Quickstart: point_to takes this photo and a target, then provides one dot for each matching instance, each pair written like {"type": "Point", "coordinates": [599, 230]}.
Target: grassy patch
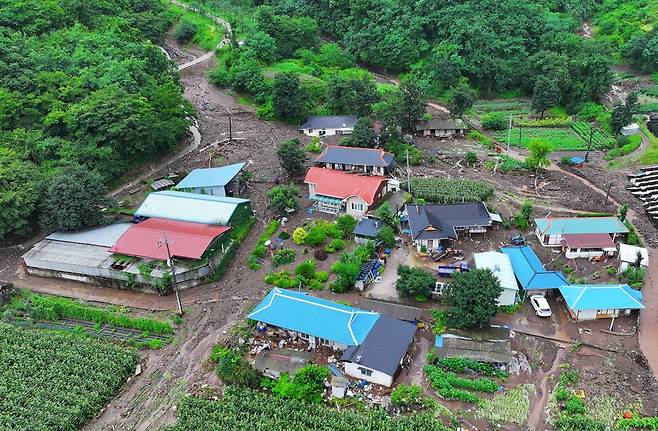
{"type": "Point", "coordinates": [650, 156]}
{"type": "Point", "coordinates": [559, 138]}
{"type": "Point", "coordinates": [208, 32]}
{"type": "Point", "coordinates": [512, 406]}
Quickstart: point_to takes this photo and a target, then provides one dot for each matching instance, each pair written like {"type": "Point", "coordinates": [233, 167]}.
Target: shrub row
{"type": "Point", "coordinates": [238, 235]}
{"type": "Point", "coordinates": [648, 423]}
{"type": "Point", "coordinates": [634, 143]}
{"type": "Point", "coordinates": [545, 122]}
{"type": "Point", "coordinates": [260, 250]}
{"type": "Point", "coordinates": [54, 308]}
{"type": "Point", "coordinates": [459, 365]}
{"type": "Point", "coordinates": [448, 385]}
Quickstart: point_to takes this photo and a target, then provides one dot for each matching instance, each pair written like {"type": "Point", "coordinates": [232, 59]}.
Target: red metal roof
{"type": "Point", "coordinates": [588, 240]}
{"type": "Point", "coordinates": [339, 184]}
{"type": "Point", "coordinates": [186, 239]}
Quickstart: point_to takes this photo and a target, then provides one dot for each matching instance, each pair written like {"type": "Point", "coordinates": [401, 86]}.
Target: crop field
{"type": "Point", "coordinates": [599, 139]}
{"type": "Point", "coordinates": [243, 409]}
{"type": "Point", "coordinates": [508, 106]}
{"type": "Point", "coordinates": [449, 191]}
{"type": "Point", "coordinates": [57, 381]}
{"type": "Point", "coordinates": [560, 138]}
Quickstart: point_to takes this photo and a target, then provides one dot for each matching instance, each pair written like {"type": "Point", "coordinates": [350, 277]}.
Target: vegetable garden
{"type": "Point", "coordinates": [447, 191]}
{"type": "Point", "coordinates": [243, 409]}
{"type": "Point", "coordinates": [560, 138]}
{"type": "Point", "coordinates": [57, 381]}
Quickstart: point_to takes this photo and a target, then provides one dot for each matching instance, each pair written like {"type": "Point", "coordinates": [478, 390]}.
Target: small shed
{"type": "Point", "coordinates": [488, 345]}
{"type": "Point", "coordinates": [396, 311]}
{"type": "Point", "coordinates": [367, 230]}
{"type": "Point", "coordinates": [441, 128]}
{"type": "Point", "coordinates": [631, 129]}
{"type": "Point", "coordinates": [273, 363]}
{"type": "Point", "coordinates": [629, 256]}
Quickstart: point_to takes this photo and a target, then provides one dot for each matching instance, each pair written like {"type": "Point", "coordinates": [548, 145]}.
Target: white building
{"type": "Point", "coordinates": [629, 256]}
{"type": "Point", "coordinates": [328, 125]}
{"type": "Point", "coordinates": [588, 245]}
{"type": "Point", "coordinates": [501, 267]}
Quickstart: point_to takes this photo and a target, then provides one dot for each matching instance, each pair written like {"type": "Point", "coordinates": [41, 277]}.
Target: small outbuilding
{"type": "Point", "coordinates": [328, 125]}
{"type": "Point", "coordinates": [588, 245]}
{"type": "Point", "coordinates": [220, 181]}
{"type": "Point", "coordinates": [488, 345]}
{"type": "Point", "coordinates": [378, 358]}
{"type": "Point", "coordinates": [600, 301]}
{"type": "Point", "coordinates": [367, 230]}
{"type": "Point", "coordinates": [501, 267]}
{"type": "Point", "coordinates": [441, 128]}
{"type": "Point", "coordinates": [631, 129]}
{"type": "Point", "coordinates": [631, 255]}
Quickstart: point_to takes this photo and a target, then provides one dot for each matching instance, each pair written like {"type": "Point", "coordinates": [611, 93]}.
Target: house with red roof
{"type": "Point", "coordinates": [334, 191]}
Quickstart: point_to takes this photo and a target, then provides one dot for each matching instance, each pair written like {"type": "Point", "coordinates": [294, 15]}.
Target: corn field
{"type": "Point", "coordinates": [244, 409]}
{"type": "Point", "coordinates": [449, 191]}
{"type": "Point", "coordinates": [55, 381]}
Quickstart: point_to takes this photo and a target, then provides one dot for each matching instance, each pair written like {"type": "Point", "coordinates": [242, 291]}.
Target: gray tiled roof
{"type": "Point", "coordinates": [355, 156]}
{"type": "Point", "coordinates": [384, 346]}
{"type": "Point", "coordinates": [330, 122]}
{"type": "Point", "coordinates": [439, 124]}
{"type": "Point", "coordinates": [444, 218]}
{"type": "Point", "coordinates": [368, 227]}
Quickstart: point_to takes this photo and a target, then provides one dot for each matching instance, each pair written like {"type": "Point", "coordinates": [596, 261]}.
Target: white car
{"type": "Point", "coordinates": [540, 304]}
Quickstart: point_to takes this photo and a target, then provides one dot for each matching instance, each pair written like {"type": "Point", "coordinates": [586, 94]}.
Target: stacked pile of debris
{"type": "Point", "coordinates": [644, 185]}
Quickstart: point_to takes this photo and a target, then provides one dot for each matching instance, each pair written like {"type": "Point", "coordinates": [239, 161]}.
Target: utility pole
{"type": "Point", "coordinates": [509, 132]}
{"type": "Point", "coordinates": [170, 264]}
{"type": "Point", "coordinates": [607, 194]}
{"type": "Point", "coordinates": [408, 173]}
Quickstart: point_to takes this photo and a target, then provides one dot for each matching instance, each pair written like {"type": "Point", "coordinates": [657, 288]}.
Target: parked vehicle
{"type": "Point", "coordinates": [540, 304]}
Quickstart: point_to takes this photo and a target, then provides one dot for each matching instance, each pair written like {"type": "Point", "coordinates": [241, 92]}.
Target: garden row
{"type": "Point", "coordinates": [447, 191]}
{"type": "Point", "coordinates": [57, 381]}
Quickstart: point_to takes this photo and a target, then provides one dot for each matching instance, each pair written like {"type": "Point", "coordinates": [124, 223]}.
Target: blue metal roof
{"type": "Point", "coordinates": [192, 207]}
{"type": "Point", "coordinates": [210, 177]}
{"type": "Point", "coordinates": [580, 297]}
{"type": "Point", "coordinates": [569, 225]}
{"type": "Point", "coordinates": [530, 272]}
{"type": "Point", "coordinates": [319, 317]}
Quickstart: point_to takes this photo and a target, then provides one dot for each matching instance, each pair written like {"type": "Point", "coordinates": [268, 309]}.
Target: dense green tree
{"type": "Point", "coordinates": [544, 94]}
{"type": "Point", "coordinates": [364, 134]}
{"type": "Point", "coordinates": [461, 98]}
{"type": "Point", "coordinates": [385, 214]}
{"type": "Point", "coordinates": [289, 99]}
{"type": "Point", "coordinates": [73, 199]}
{"type": "Point", "coordinates": [622, 114]}
{"type": "Point", "coordinates": [292, 157]}
{"type": "Point", "coordinates": [414, 282]}
{"type": "Point", "coordinates": [185, 31]}
{"type": "Point", "coordinates": [387, 236]}
{"type": "Point", "coordinates": [412, 105]}
{"type": "Point", "coordinates": [290, 33]}
{"type": "Point", "coordinates": [473, 297]}
{"type": "Point", "coordinates": [539, 155]}
{"type": "Point", "coordinates": [19, 193]}
{"type": "Point", "coordinates": [351, 96]}
{"type": "Point", "coordinates": [263, 46]}
{"type": "Point", "coordinates": [280, 198]}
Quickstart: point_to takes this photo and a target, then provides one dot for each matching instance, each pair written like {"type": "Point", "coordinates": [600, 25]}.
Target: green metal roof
{"type": "Point", "coordinates": [561, 226]}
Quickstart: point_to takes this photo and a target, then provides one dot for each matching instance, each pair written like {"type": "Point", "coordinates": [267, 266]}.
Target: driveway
{"type": "Point", "coordinates": [385, 289]}
{"type": "Point", "coordinates": [648, 336]}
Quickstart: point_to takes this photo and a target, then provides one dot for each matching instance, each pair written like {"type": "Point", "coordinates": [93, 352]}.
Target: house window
{"type": "Point", "coordinates": [357, 206]}
{"type": "Point", "coordinates": [322, 132]}
{"type": "Point", "coordinates": [365, 371]}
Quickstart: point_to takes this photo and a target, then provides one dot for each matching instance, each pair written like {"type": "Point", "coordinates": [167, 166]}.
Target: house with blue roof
{"type": "Point", "coordinates": [317, 320]}
{"type": "Point", "coordinates": [196, 208]}
{"type": "Point", "coordinates": [530, 272]}
{"type": "Point", "coordinates": [221, 181]}
{"type": "Point", "coordinates": [552, 231]}
{"type": "Point", "coordinates": [600, 301]}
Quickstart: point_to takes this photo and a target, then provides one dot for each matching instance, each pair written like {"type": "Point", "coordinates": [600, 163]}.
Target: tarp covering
{"type": "Point", "coordinates": [186, 240]}
{"type": "Point", "coordinates": [530, 272]}
{"type": "Point", "coordinates": [299, 312]}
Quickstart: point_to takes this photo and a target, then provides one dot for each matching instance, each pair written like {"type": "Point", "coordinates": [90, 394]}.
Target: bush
{"type": "Point", "coordinates": [283, 257]}
{"type": "Point", "coordinates": [401, 149]}
{"type": "Point", "coordinates": [307, 385]}
{"type": "Point", "coordinates": [575, 406]}
{"type": "Point", "coordinates": [578, 422]}
{"type": "Point", "coordinates": [322, 276]}
{"type": "Point", "coordinates": [561, 394]}
{"type": "Point", "coordinates": [569, 377]}
{"type": "Point", "coordinates": [185, 31]}
{"type": "Point", "coordinates": [414, 282]}
{"type": "Point", "coordinates": [494, 121]}
{"type": "Point", "coordinates": [306, 269]}
{"type": "Point", "coordinates": [233, 369]}
{"type": "Point", "coordinates": [346, 224]}
{"type": "Point", "coordinates": [315, 146]}
{"type": "Point", "coordinates": [299, 236]}
{"type": "Point", "coordinates": [316, 236]}
{"type": "Point", "coordinates": [406, 395]}
{"type": "Point", "coordinates": [259, 251]}
{"type": "Point", "coordinates": [386, 236]}
{"type": "Point", "coordinates": [337, 244]}
{"type": "Point", "coordinates": [329, 249]}
{"type": "Point", "coordinates": [284, 235]}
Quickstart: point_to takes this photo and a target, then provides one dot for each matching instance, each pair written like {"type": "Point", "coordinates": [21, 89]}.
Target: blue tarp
{"type": "Point", "coordinates": [318, 317]}
{"type": "Point", "coordinates": [530, 272]}
{"type": "Point", "coordinates": [438, 341]}
{"type": "Point", "coordinates": [582, 297]}
{"type": "Point", "coordinates": [575, 160]}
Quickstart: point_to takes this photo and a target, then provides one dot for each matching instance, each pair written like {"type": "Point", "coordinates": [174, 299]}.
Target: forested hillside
{"type": "Point", "coordinates": [81, 83]}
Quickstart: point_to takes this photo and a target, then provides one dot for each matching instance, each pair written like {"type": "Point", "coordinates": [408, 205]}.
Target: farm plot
{"type": "Point", "coordinates": [599, 139]}
{"type": "Point", "coordinates": [559, 138]}
{"type": "Point", "coordinates": [243, 409]}
{"type": "Point", "coordinates": [57, 381]}
{"type": "Point", "coordinates": [507, 107]}
{"type": "Point", "coordinates": [448, 191]}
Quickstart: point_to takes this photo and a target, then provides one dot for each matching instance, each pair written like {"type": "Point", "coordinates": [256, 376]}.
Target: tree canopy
{"type": "Point", "coordinates": [292, 157]}
{"type": "Point", "coordinates": [82, 83]}
{"type": "Point", "coordinates": [473, 296]}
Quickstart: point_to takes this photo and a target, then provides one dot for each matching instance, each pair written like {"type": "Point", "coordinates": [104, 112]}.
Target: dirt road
{"type": "Point", "coordinates": [648, 335]}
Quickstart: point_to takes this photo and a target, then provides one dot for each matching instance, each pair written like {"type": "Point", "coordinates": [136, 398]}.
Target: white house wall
{"type": "Point", "coordinates": [507, 297]}
{"type": "Point", "coordinates": [377, 377]}
{"type": "Point", "coordinates": [356, 212]}
{"type": "Point", "coordinates": [328, 132]}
